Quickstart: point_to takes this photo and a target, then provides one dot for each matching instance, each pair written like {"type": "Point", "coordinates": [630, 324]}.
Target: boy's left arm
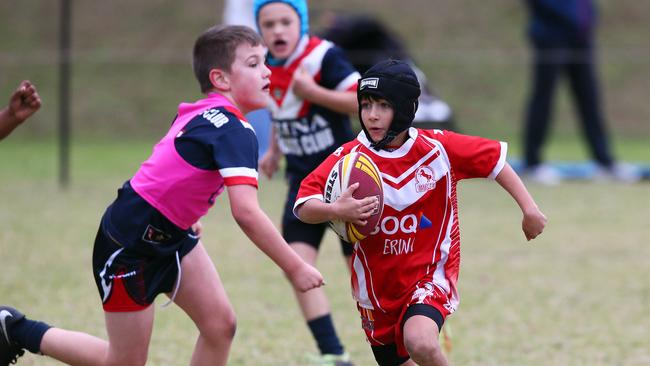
{"type": "Point", "coordinates": [534, 221]}
{"type": "Point", "coordinates": [341, 101]}
{"type": "Point", "coordinates": [345, 208]}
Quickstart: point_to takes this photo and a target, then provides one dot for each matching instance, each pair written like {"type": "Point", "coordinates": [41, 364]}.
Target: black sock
{"type": "Point", "coordinates": [323, 331]}
{"type": "Point", "coordinates": [29, 334]}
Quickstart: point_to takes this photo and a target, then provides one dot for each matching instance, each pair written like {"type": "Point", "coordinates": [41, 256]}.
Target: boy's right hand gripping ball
{"type": "Point", "coordinates": [352, 168]}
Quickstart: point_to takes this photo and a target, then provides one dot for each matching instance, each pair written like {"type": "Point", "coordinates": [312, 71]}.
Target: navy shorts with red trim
{"type": "Point", "coordinates": [137, 253]}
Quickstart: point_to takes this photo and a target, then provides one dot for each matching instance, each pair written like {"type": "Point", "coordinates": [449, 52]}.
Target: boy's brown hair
{"type": "Point", "coordinates": [215, 49]}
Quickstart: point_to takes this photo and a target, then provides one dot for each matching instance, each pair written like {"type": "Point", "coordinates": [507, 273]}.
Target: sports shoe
{"type": "Point", "coordinates": [331, 360]}
{"type": "Point", "coordinates": [543, 174]}
{"type": "Point", "coordinates": [9, 350]}
{"type": "Point", "coordinates": [620, 172]}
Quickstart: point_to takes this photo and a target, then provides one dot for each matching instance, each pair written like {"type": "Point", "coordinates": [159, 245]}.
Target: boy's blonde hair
{"type": "Point", "coordinates": [215, 49]}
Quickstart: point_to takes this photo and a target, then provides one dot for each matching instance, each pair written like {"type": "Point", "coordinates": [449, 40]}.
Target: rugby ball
{"type": "Point", "coordinates": [356, 167]}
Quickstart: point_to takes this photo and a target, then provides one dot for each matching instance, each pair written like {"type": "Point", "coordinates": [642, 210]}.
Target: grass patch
{"type": "Point", "coordinates": [576, 296]}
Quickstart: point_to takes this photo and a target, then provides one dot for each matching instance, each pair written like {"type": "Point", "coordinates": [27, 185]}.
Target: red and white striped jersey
{"type": "Point", "coordinates": [417, 238]}
{"type": "Point", "coordinates": [308, 132]}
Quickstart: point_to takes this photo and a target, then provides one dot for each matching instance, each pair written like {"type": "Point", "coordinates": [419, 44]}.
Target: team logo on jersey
{"type": "Point", "coordinates": [153, 235]}
{"type": "Point", "coordinates": [389, 225]}
{"type": "Point", "coordinates": [424, 179]}
{"type": "Point", "coordinates": [371, 83]}
{"type": "Point", "coordinates": [428, 293]}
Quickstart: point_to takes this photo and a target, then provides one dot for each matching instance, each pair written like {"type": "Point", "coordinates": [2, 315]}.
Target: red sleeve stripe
{"type": "Point", "coordinates": [234, 181]}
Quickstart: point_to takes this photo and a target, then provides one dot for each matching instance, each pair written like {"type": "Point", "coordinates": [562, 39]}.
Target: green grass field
{"type": "Point", "coordinates": [578, 295]}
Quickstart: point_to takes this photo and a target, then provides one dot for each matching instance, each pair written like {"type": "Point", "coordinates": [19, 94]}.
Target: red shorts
{"type": "Point", "coordinates": [384, 328]}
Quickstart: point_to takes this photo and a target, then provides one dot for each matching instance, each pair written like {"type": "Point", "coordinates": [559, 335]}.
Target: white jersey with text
{"type": "Point", "coordinates": [417, 240]}
{"type": "Point", "coordinates": [306, 132]}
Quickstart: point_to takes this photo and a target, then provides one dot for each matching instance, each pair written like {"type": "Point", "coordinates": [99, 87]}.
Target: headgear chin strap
{"type": "Point", "coordinates": [394, 81]}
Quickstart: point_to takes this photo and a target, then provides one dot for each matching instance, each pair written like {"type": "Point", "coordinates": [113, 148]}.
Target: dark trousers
{"type": "Point", "coordinates": [549, 64]}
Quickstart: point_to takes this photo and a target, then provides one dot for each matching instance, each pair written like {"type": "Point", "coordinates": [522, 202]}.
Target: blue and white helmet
{"type": "Point", "coordinates": [300, 6]}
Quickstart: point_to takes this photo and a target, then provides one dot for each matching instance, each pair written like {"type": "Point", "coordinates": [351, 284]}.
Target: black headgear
{"type": "Point", "coordinates": [394, 81]}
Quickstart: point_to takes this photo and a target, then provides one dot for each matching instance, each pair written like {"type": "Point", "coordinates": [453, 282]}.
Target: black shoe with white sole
{"type": "Point", "coordinates": [9, 350]}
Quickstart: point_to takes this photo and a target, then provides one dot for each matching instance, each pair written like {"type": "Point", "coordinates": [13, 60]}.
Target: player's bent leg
{"type": "Point", "coordinates": [316, 311]}
{"type": "Point", "coordinates": [202, 296]}
{"type": "Point", "coordinates": [421, 341]}
{"type": "Point", "coordinates": [129, 334]}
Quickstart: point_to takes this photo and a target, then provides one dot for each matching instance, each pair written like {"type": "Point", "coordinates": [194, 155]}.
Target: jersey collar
{"type": "Point", "coordinates": [398, 153]}
{"type": "Point", "coordinates": [300, 48]}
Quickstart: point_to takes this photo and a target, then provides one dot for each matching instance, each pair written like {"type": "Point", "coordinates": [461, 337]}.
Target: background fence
{"type": "Point", "coordinates": [131, 60]}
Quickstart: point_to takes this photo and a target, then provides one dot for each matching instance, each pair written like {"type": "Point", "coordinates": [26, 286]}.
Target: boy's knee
{"type": "Point", "coordinates": [220, 328]}
{"type": "Point", "coordinates": [423, 350]}
{"type": "Point", "coordinates": [230, 325]}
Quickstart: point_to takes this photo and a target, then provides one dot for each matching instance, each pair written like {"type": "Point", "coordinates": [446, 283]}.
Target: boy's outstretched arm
{"type": "Point", "coordinates": [534, 220]}
{"type": "Point", "coordinates": [22, 104]}
{"type": "Point", "coordinates": [259, 229]}
{"type": "Point", "coordinates": [304, 85]}
{"type": "Point", "coordinates": [346, 208]}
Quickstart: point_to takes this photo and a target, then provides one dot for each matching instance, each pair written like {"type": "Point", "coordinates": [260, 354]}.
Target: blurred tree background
{"type": "Point", "coordinates": [132, 62]}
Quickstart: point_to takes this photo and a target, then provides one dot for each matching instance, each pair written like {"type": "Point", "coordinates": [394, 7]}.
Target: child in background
{"type": "Point", "coordinates": [312, 94]}
{"type": "Point", "coordinates": [404, 274]}
{"type": "Point", "coordinates": [148, 240]}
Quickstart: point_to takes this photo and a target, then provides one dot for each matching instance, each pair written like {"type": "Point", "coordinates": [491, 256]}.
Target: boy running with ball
{"type": "Point", "coordinates": [404, 273]}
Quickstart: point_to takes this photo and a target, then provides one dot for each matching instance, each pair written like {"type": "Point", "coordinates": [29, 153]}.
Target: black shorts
{"type": "Point", "coordinates": [388, 355]}
{"type": "Point", "coordinates": [294, 230]}
{"type": "Point", "coordinates": [137, 254]}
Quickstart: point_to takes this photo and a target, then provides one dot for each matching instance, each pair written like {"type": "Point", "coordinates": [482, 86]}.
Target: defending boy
{"type": "Point", "coordinates": [404, 274]}
{"type": "Point", "coordinates": [312, 94]}
{"type": "Point", "coordinates": [148, 240]}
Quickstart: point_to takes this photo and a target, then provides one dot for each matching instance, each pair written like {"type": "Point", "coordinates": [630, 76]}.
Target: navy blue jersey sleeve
{"type": "Point", "coordinates": [337, 73]}
{"type": "Point", "coordinates": [218, 140]}
{"type": "Point", "coordinates": [236, 149]}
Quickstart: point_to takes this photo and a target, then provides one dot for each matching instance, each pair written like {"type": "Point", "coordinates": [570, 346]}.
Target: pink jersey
{"type": "Point", "coordinates": [182, 192]}
{"type": "Point", "coordinates": [417, 240]}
